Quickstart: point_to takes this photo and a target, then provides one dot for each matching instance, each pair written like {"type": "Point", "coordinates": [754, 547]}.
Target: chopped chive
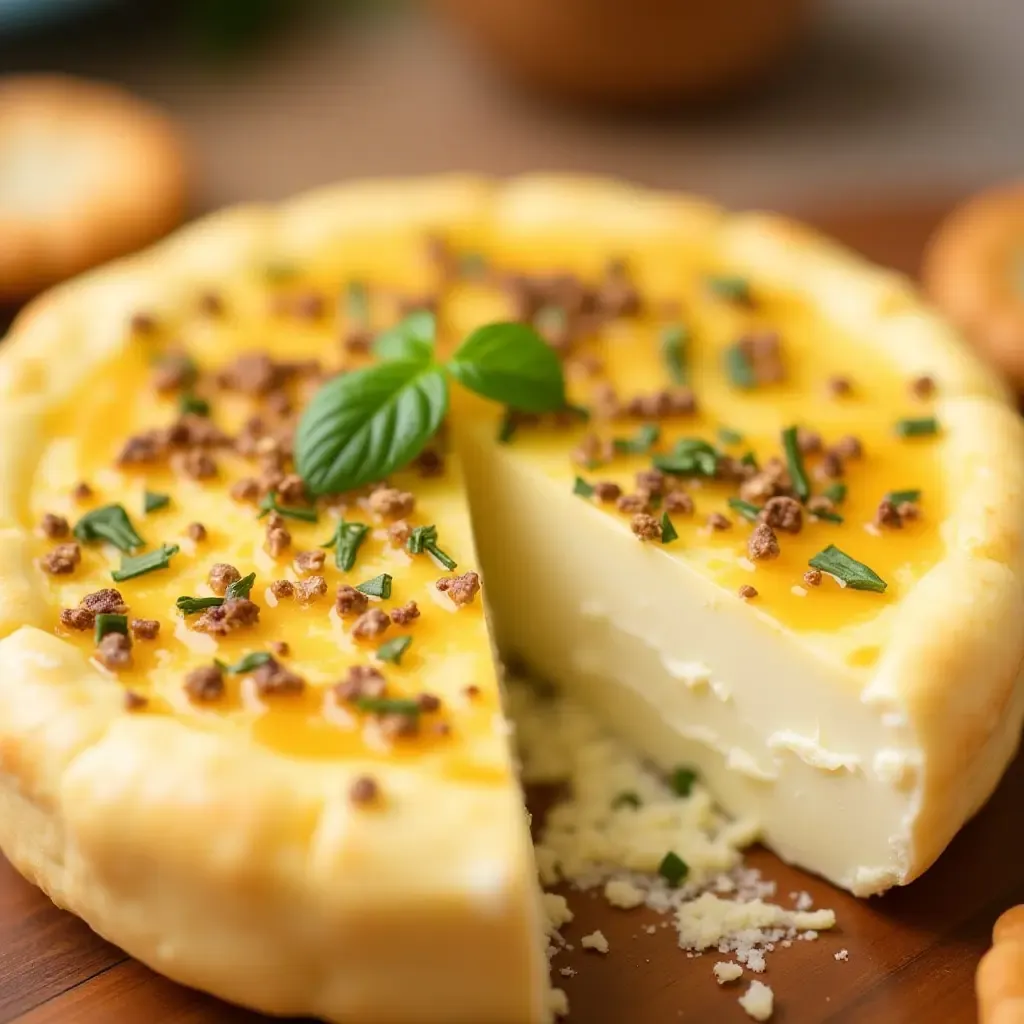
{"type": "Point", "coordinates": [192, 605]}
{"type": "Point", "coordinates": [507, 427]}
{"type": "Point", "coordinates": [739, 369]}
{"type": "Point", "coordinates": [379, 586]}
{"type": "Point", "coordinates": [627, 798]}
{"type": "Point", "coordinates": [269, 504]}
{"type": "Point", "coordinates": [795, 463]}
{"type": "Point", "coordinates": [856, 575]}
{"type": "Point", "coordinates": [746, 509]}
{"type": "Point", "coordinates": [673, 868]}
{"type": "Point", "coordinates": [152, 501]}
{"type": "Point", "coordinates": [346, 541]}
{"type": "Point", "coordinates": [728, 436]}
{"type": "Point", "coordinates": [139, 565]}
{"type": "Point", "coordinates": [668, 531]}
{"type": "Point", "coordinates": [748, 459]}
{"type": "Point", "coordinates": [827, 516]}
{"type": "Point", "coordinates": [904, 497]}
{"type": "Point", "coordinates": [424, 538]}
{"type": "Point", "coordinates": [731, 288]}
{"type": "Point", "coordinates": [917, 427]}
{"type": "Point", "coordinates": [682, 780]}
{"type": "Point", "coordinates": [641, 442]}
{"type": "Point", "coordinates": [109, 523]}
{"type": "Point", "coordinates": [690, 457]}
{"type": "Point", "coordinates": [248, 663]}
{"type": "Point", "coordinates": [390, 705]}
{"type": "Point", "coordinates": [240, 588]}
{"type": "Point", "coordinates": [836, 493]}
{"type": "Point", "coordinates": [190, 403]}
{"type": "Point", "coordinates": [393, 649]}
{"type": "Point", "coordinates": [582, 488]}
{"type": "Point", "coordinates": [675, 343]}
{"type": "Point", "coordinates": [357, 302]}
{"type": "Point", "coordinates": [107, 623]}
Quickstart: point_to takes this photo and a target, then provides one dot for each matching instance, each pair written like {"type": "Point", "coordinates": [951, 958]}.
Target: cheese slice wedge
{"type": "Point", "coordinates": [282, 843]}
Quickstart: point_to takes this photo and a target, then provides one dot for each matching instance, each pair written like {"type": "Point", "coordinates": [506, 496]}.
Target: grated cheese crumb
{"type": "Point", "coordinates": [758, 1001]}
{"type": "Point", "coordinates": [621, 893]}
{"type": "Point", "coordinates": [595, 941]}
{"type": "Point", "coordinates": [558, 1002]}
{"type": "Point", "coordinates": [556, 911]}
{"type": "Point", "coordinates": [726, 971]}
{"type": "Point", "coordinates": [843, 954]}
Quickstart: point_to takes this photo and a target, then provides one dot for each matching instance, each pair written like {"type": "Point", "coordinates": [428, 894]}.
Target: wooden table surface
{"type": "Point", "coordinates": [912, 954]}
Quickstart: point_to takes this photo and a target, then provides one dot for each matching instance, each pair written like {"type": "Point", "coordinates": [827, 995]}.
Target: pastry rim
{"type": "Point", "coordinates": [63, 720]}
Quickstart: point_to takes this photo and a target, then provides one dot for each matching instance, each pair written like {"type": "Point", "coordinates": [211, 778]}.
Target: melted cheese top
{"type": "Point", "coordinates": [450, 651]}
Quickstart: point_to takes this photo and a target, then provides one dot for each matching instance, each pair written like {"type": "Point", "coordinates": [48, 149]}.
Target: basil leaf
{"type": "Point", "coordinates": [379, 586]}
{"type": "Point", "coordinates": [152, 501]}
{"type": "Point", "coordinates": [412, 340]}
{"type": "Point", "coordinates": [673, 868]}
{"type": "Point", "coordinates": [109, 523]}
{"type": "Point", "coordinates": [107, 623]}
{"type": "Point", "coordinates": [249, 663]}
{"type": "Point", "coordinates": [903, 497]}
{"type": "Point", "coordinates": [836, 493]}
{"type": "Point", "coordinates": [512, 364]}
{"type": "Point", "coordinates": [240, 588]}
{"type": "Point", "coordinates": [746, 509]}
{"type": "Point", "coordinates": [393, 649]}
{"type": "Point", "coordinates": [691, 456]}
{"type": "Point", "coordinates": [364, 425]}
{"type": "Point", "coordinates": [139, 565]}
{"type": "Point", "coordinates": [668, 531]}
{"type": "Point", "coordinates": [917, 427]}
{"type": "Point", "coordinates": [641, 442]}
{"type": "Point", "coordinates": [346, 540]}
{"type": "Point", "coordinates": [856, 575]}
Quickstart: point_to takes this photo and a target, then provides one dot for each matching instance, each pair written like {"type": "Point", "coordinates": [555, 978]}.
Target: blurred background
{"type": "Point", "coordinates": [787, 103]}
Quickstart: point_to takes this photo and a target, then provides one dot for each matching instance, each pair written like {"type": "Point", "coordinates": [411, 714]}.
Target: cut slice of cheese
{"type": "Point", "coordinates": [303, 852]}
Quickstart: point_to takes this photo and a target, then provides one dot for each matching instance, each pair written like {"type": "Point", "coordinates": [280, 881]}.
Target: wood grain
{"type": "Point", "coordinates": [912, 953]}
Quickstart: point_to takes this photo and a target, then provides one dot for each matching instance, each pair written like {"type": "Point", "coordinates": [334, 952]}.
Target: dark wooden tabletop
{"type": "Point", "coordinates": [912, 954]}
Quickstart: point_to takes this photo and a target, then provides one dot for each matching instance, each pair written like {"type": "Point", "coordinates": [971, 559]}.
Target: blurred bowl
{"type": "Point", "coordinates": [17, 14]}
{"type": "Point", "coordinates": [631, 51]}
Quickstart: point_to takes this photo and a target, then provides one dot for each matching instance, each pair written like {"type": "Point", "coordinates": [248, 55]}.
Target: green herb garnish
{"type": "Point", "coordinates": [748, 459]}
{"type": "Point", "coordinates": [904, 497]}
{"type": "Point", "coordinates": [424, 538]}
{"type": "Point", "coordinates": [138, 565]}
{"type": "Point", "coordinates": [190, 403]}
{"type": "Point", "coordinates": [582, 488]}
{"type": "Point", "coordinates": [109, 523]}
{"type": "Point", "coordinates": [690, 457]}
{"type": "Point", "coordinates": [393, 650]}
{"type": "Point", "coordinates": [192, 605]}
{"type": "Point", "coordinates": [269, 504]}
{"type": "Point", "coordinates": [379, 586]}
{"type": "Point", "coordinates": [673, 868]}
{"type": "Point", "coordinates": [675, 343]}
{"type": "Point", "coordinates": [738, 368]}
{"type": "Point", "coordinates": [240, 588]}
{"type": "Point", "coordinates": [836, 493]}
{"type": "Point", "coordinates": [668, 531]}
{"type": "Point", "coordinates": [828, 516]}
{"type": "Point", "coordinates": [641, 442]}
{"type": "Point", "coordinates": [390, 705]}
{"type": "Point", "coordinates": [107, 623]}
{"type": "Point", "coordinates": [246, 664]}
{"type": "Point", "coordinates": [746, 509]}
{"type": "Point", "coordinates": [507, 427]}
{"type": "Point", "coordinates": [682, 780]}
{"type": "Point", "coordinates": [917, 427]}
{"type": "Point", "coordinates": [152, 501]}
{"type": "Point", "coordinates": [731, 288]}
{"type": "Point", "coordinates": [346, 540]}
{"type": "Point", "coordinates": [856, 575]}
{"type": "Point", "coordinates": [728, 436]}
{"type": "Point", "coordinates": [626, 799]}
{"type": "Point", "coordinates": [795, 463]}
{"type": "Point", "coordinates": [361, 426]}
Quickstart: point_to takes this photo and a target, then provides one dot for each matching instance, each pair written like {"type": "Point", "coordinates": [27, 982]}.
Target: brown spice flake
{"type": "Point", "coordinates": [651, 481]}
{"type": "Point", "coordinates": [747, 592]}
{"type": "Point", "coordinates": [782, 513]}
{"type": "Point", "coordinates": [63, 559]}
{"type": "Point", "coordinates": [310, 561]}
{"type": "Point", "coordinates": [143, 324]}
{"type": "Point", "coordinates": [173, 372]}
{"type": "Point", "coordinates": [398, 533]}
{"type": "Point", "coordinates": [134, 701]}
{"type": "Point", "coordinates": [370, 624]}
{"type": "Point", "coordinates": [888, 515]}
{"type": "Point", "coordinates": [922, 387]}
{"type": "Point", "coordinates": [280, 648]}
{"type": "Point", "coordinates": [762, 543]}
{"type": "Point", "coordinates": [848, 447]}
{"type": "Point", "coordinates": [291, 489]}
{"type": "Point", "coordinates": [364, 791]}
{"type": "Point", "coordinates": [391, 503]}
{"type": "Point", "coordinates": [633, 503]}
{"type": "Point", "coordinates": [429, 463]}
{"type": "Point", "coordinates": [205, 684]}
{"type": "Point", "coordinates": [221, 576]}
{"type": "Point", "coordinates": [592, 451]}
{"type": "Point", "coordinates": [278, 541]}
{"type": "Point", "coordinates": [53, 526]}
{"type": "Point", "coordinates": [718, 522]}
{"type": "Point", "coordinates": [808, 441]}
{"type": "Point", "coordinates": [398, 726]}
{"type": "Point", "coordinates": [662, 404]}
{"type": "Point", "coordinates": [359, 682]}
{"type": "Point", "coordinates": [308, 591]}
{"type": "Point", "coordinates": [645, 526]}
{"type": "Point", "coordinates": [107, 601]}
{"type": "Point", "coordinates": [282, 589]}
{"type": "Point", "coordinates": [234, 613]}
{"type": "Point", "coordinates": [211, 304]}
{"type": "Point", "coordinates": [839, 387]}
{"type": "Point", "coordinates": [429, 703]}
{"type": "Point", "coordinates": [81, 491]}
{"type": "Point", "coordinates": [350, 601]}
{"type": "Point", "coordinates": [607, 491]}
{"type": "Point", "coordinates": [145, 629]}
{"type": "Point", "coordinates": [196, 532]}
{"type": "Point", "coordinates": [679, 502]}
{"type": "Point", "coordinates": [195, 464]}
{"type": "Point", "coordinates": [405, 614]}
{"type": "Point", "coordinates": [115, 652]}
{"type": "Point", "coordinates": [812, 577]}
{"type": "Point", "coordinates": [830, 467]}
{"type": "Point", "coordinates": [77, 618]}
{"type": "Point", "coordinates": [274, 679]}
{"type": "Point", "coordinates": [461, 590]}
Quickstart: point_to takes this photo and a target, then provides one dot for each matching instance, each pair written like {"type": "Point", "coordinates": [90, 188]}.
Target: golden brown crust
{"type": "Point", "coordinates": [89, 173]}
{"type": "Point", "coordinates": [974, 270]}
